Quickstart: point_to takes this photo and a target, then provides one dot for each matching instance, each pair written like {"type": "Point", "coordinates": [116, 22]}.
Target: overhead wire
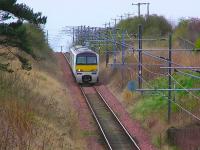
{"type": "Point", "coordinates": [188, 112]}
{"type": "Point", "coordinates": [162, 59]}
{"type": "Point", "coordinates": [184, 88]}
{"type": "Point", "coordinates": [188, 74]}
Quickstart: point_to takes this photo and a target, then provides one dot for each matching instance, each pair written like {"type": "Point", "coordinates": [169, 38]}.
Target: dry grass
{"type": "Point", "coordinates": [35, 110]}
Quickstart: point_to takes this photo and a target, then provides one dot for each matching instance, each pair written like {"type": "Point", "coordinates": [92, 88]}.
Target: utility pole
{"type": "Point", "coordinates": [61, 48]}
{"type": "Point", "coordinates": [84, 33]}
{"type": "Point", "coordinates": [140, 57]}
{"type": "Point", "coordinates": [88, 33]}
{"type": "Point", "coordinates": [78, 38]}
{"type": "Point", "coordinates": [107, 53]}
{"type": "Point", "coordinates": [114, 42]}
{"type": "Point", "coordinates": [148, 9]}
{"type": "Point", "coordinates": [81, 35]}
{"type": "Point", "coordinates": [128, 15]}
{"type": "Point", "coordinates": [169, 78]}
{"type": "Point", "coordinates": [121, 17]}
{"type": "Point", "coordinates": [123, 47]}
{"type": "Point", "coordinates": [73, 35]}
{"type": "Point", "coordinates": [139, 4]}
{"type": "Point", "coordinates": [99, 36]}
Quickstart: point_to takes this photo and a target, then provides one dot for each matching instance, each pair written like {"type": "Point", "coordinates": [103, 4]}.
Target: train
{"type": "Point", "coordinates": [84, 64]}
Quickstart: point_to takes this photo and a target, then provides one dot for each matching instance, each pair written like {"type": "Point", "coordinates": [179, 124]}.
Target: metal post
{"type": "Point", "coordinates": [121, 18]}
{"type": "Point", "coordinates": [99, 36]}
{"type": "Point", "coordinates": [61, 48]}
{"type": "Point", "coordinates": [81, 35]}
{"type": "Point", "coordinates": [123, 47]}
{"type": "Point", "coordinates": [107, 54]}
{"type": "Point", "coordinates": [95, 37]}
{"type": "Point", "coordinates": [139, 9]}
{"type": "Point", "coordinates": [84, 33]}
{"type": "Point", "coordinates": [147, 9]}
{"type": "Point", "coordinates": [92, 33]}
{"type": "Point", "coordinates": [140, 57]}
{"type": "Point", "coordinates": [114, 44]}
{"type": "Point", "coordinates": [73, 35]}
{"type": "Point", "coordinates": [88, 34]}
{"type": "Point", "coordinates": [78, 40]}
{"type": "Point", "coordinates": [170, 78]}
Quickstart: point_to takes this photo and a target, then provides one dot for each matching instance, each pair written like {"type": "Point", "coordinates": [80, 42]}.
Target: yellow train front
{"type": "Point", "coordinates": [85, 64]}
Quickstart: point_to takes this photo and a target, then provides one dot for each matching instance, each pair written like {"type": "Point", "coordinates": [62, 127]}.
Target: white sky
{"type": "Point", "coordinates": [63, 13]}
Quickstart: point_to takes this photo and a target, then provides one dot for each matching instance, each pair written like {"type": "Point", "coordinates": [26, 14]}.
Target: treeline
{"type": "Point", "coordinates": [156, 26]}
{"type": "Point", "coordinates": [189, 29]}
{"type": "Point", "coordinates": [13, 33]}
{"type": "Point", "coordinates": [153, 25]}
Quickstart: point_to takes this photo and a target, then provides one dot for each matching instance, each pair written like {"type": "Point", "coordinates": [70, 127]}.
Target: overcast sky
{"type": "Point", "coordinates": [63, 13]}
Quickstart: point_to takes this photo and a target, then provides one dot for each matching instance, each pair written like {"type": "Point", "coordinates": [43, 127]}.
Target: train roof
{"type": "Point", "coordinates": [78, 49]}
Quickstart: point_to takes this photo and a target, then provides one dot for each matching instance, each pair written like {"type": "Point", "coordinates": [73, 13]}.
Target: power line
{"type": "Point", "coordinates": [187, 90]}
{"type": "Point", "coordinates": [188, 74]}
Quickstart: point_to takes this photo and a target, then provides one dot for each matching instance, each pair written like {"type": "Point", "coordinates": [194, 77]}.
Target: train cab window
{"type": "Point", "coordinates": [86, 60]}
{"type": "Point", "coordinates": [91, 60]}
{"type": "Point", "coordinates": [81, 60]}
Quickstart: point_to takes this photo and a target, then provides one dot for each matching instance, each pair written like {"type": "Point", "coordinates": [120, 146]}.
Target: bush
{"type": "Point", "coordinates": [188, 29]}
{"type": "Point", "coordinates": [152, 26]}
{"type": "Point", "coordinates": [197, 44]}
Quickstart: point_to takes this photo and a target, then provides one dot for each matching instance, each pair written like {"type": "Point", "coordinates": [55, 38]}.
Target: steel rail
{"type": "Point", "coordinates": [113, 113]}
{"type": "Point", "coordinates": [96, 119]}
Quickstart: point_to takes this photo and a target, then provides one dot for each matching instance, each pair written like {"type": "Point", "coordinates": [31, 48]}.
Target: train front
{"type": "Point", "coordinates": [87, 67]}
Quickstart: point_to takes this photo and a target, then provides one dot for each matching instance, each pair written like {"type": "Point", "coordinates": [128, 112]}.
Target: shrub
{"type": "Point", "coordinates": [154, 25]}
{"type": "Point", "coordinates": [197, 44]}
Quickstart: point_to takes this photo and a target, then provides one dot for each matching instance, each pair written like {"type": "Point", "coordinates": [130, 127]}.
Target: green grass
{"type": "Point", "coordinates": [149, 105]}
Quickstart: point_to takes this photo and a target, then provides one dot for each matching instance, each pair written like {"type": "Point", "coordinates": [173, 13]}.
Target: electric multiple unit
{"type": "Point", "coordinates": [85, 64]}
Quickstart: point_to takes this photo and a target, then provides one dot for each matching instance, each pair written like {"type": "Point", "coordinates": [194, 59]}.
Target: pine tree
{"type": "Point", "coordinates": [14, 32]}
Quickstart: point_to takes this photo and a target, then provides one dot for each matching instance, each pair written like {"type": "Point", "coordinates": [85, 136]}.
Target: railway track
{"type": "Point", "coordinates": [114, 133]}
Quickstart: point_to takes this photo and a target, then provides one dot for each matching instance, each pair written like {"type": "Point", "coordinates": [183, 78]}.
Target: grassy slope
{"type": "Point", "coordinates": [35, 113]}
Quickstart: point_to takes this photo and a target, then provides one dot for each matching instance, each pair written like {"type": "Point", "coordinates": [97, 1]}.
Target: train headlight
{"type": "Point", "coordinates": [78, 70]}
